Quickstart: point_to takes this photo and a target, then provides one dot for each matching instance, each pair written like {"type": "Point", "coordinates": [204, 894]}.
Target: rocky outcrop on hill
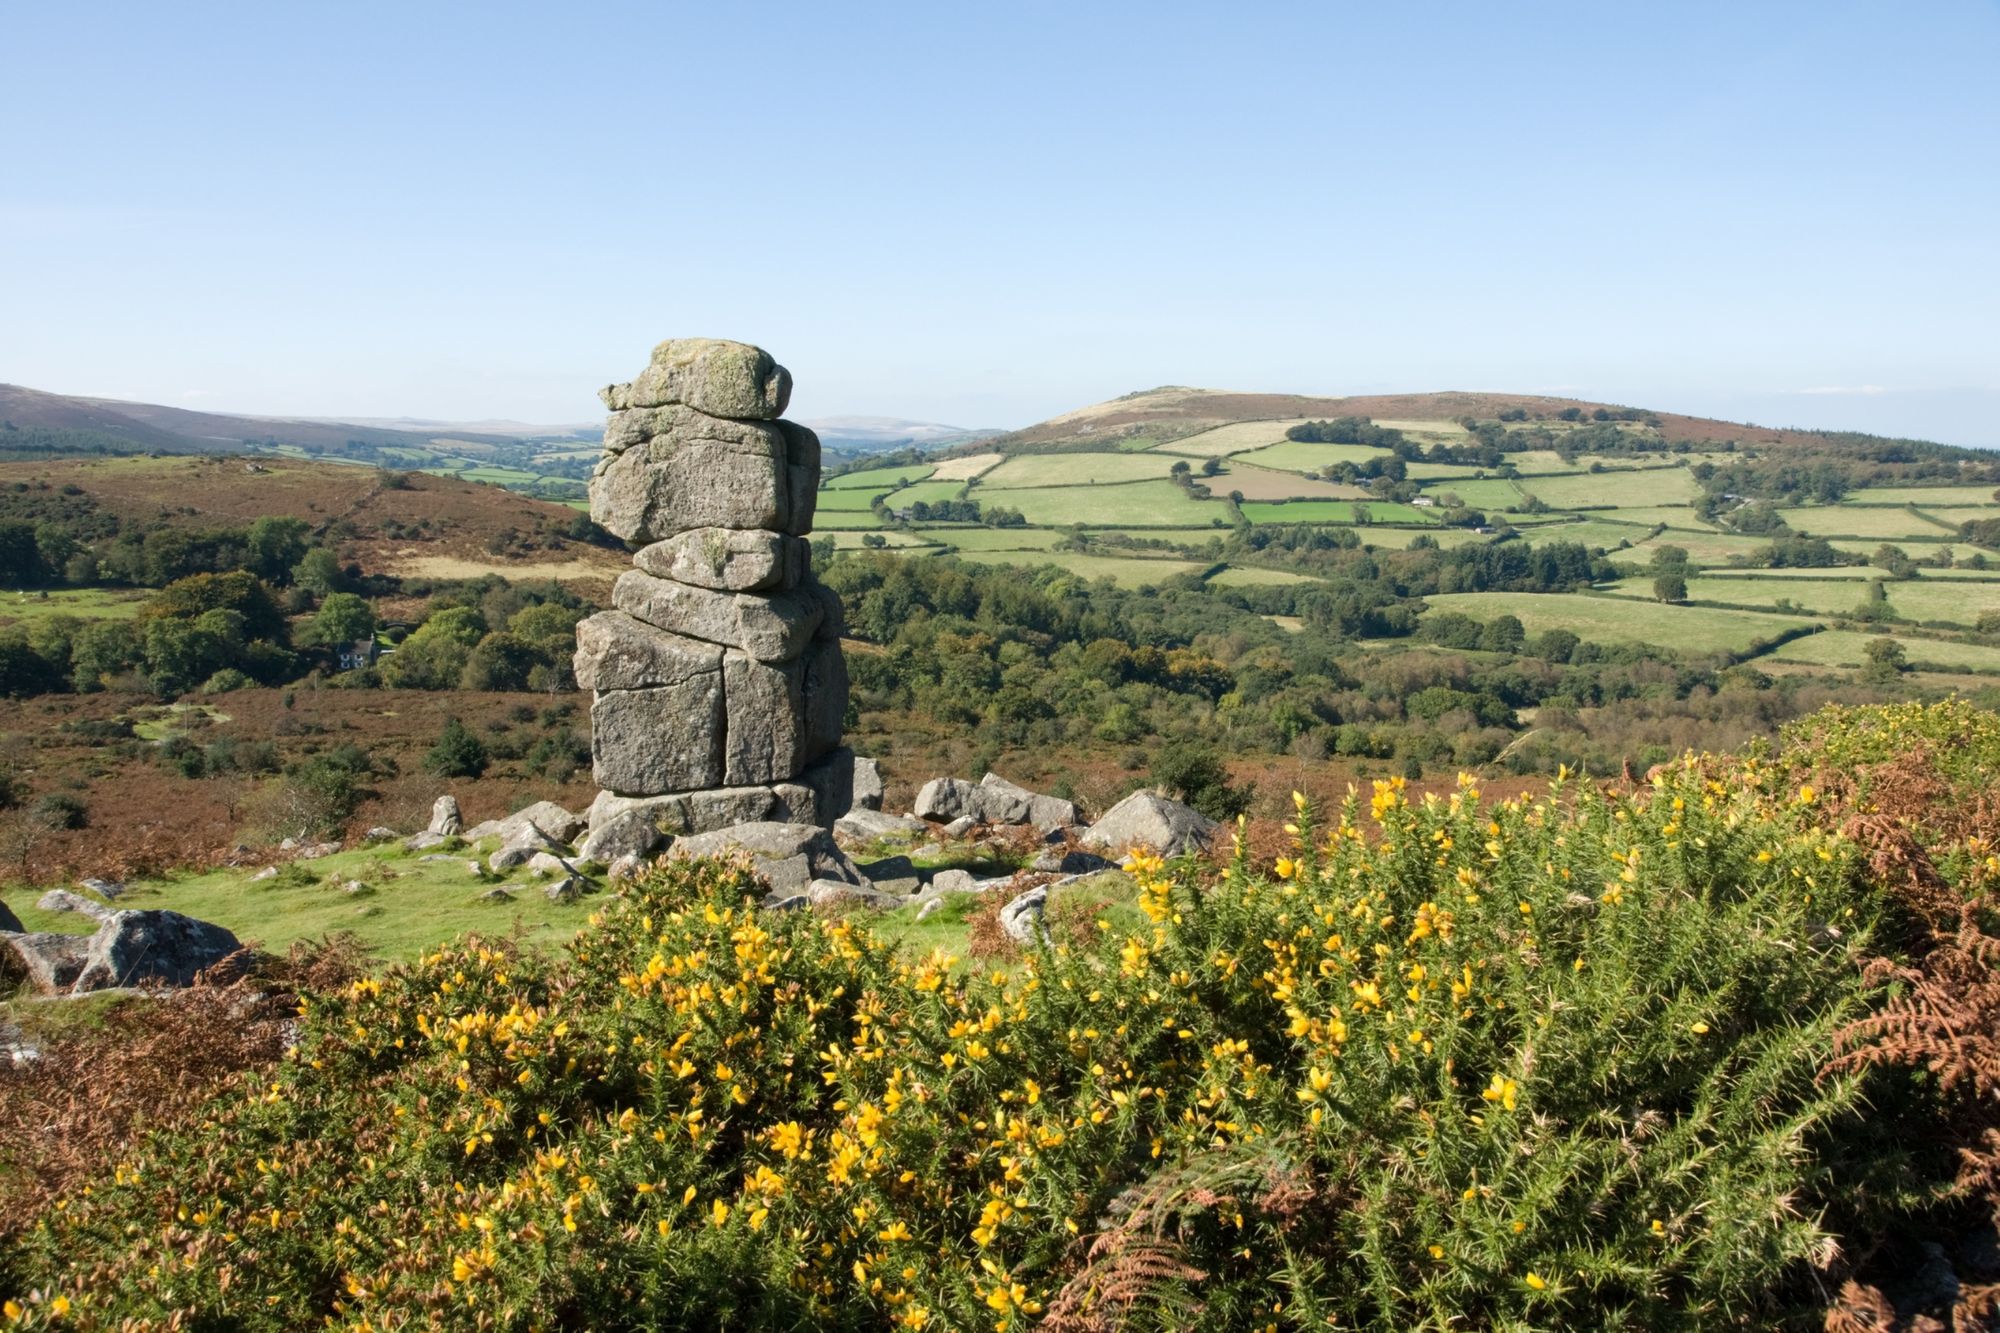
{"type": "Point", "coordinates": [717, 683]}
{"type": "Point", "coordinates": [1150, 821]}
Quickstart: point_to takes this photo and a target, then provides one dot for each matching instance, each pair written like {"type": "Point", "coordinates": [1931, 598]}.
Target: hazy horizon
{"type": "Point", "coordinates": [1780, 213]}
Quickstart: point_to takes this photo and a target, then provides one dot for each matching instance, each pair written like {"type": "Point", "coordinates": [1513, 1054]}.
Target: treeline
{"type": "Point", "coordinates": [1041, 658]}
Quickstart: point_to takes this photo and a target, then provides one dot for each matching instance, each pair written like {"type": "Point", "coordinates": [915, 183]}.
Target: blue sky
{"type": "Point", "coordinates": [988, 214]}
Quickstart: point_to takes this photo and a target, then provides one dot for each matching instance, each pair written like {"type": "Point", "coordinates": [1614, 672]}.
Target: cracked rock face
{"type": "Point", "coordinates": [718, 684]}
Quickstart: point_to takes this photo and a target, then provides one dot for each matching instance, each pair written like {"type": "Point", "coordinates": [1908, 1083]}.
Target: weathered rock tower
{"type": "Point", "coordinates": [718, 683]}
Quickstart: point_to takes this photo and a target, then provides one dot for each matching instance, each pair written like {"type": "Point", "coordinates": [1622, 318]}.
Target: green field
{"type": "Point", "coordinates": [1130, 505]}
{"type": "Point", "coordinates": [850, 520]}
{"type": "Point", "coordinates": [855, 498]}
{"type": "Point", "coordinates": [1125, 571]}
{"type": "Point", "coordinates": [880, 478]}
{"type": "Point", "coordinates": [84, 603]}
{"type": "Point", "coordinates": [1688, 629]}
{"type": "Point", "coordinates": [1943, 601]}
{"type": "Point", "coordinates": [929, 492]}
{"type": "Point", "coordinates": [1238, 576]}
{"type": "Point", "coordinates": [1298, 456]}
{"type": "Point", "coordinates": [1674, 516]}
{"type": "Point", "coordinates": [1335, 511]}
{"type": "Point", "coordinates": [1590, 532]}
{"type": "Point", "coordinates": [1037, 470]}
{"type": "Point", "coordinates": [1847, 648]}
{"type": "Point", "coordinates": [1833, 597]}
{"type": "Point", "coordinates": [1400, 539]}
{"type": "Point", "coordinates": [1924, 497]}
{"type": "Point", "coordinates": [1231, 439]}
{"type": "Point", "coordinates": [1440, 471]}
{"type": "Point", "coordinates": [993, 539]}
{"type": "Point", "coordinates": [1703, 548]}
{"type": "Point", "coordinates": [1655, 486]}
{"type": "Point", "coordinates": [1860, 521]}
{"type": "Point", "coordinates": [1491, 493]}
{"type": "Point", "coordinates": [411, 904]}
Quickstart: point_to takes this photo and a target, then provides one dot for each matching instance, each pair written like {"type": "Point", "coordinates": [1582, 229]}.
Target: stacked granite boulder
{"type": "Point", "coordinates": [718, 682]}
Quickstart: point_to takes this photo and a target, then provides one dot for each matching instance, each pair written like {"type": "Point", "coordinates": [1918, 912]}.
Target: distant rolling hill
{"type": "Point", "coordinates": [875, 435]}
{"type": "Point", "coordinates": [153, 427]}
{"type": "Point", "coordinates": [1175, 411]}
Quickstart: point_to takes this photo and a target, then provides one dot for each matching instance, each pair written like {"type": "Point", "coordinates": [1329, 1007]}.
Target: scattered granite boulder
{"type": "Point", "coordinates": [152, 948]}
{"type": "Point", "coordinates": [788, 856]}
{"type": "Point", "coordinates": [632, 833]}
{"type": "Point", "coordinates": [960, 827]}
{"type": "Point", "coordinates": [380, 834]}
{"type": "Point", "coordinates": [313, 851]}
{"type": "Point", "coordinates": [1149, 820]}
{"type": "Point", "coordinates": [521, 846]}
{"type": "Point", "coordinates": [445, 822]}
{"type": "Point", "coordinates": [496, 896]}
{"type": "Point", "coordinates": [548, 863]}
{"type": "Point", "coordinates": [268, 872]}
{"type": "Point", "coordinates": [565, 890]}
{"type": "Point", "coordinates": [952, 881]}
{"type": "Point", "coordinates": [50, 963]}
{"type": "Point", "coordinates": [62, 900]}
{"type": "Point", "coordinates": [869, 825]}
{"type": "Point", "coordinates": [999, 801]}
{"type": "Point", "coordinates": [942, 800]}
{"type": "Point", "coordinates": [8, 921]}
{"type": "Point", "coordinates": [625, 867]}
{"type": "Point", "coordinates": [930, 907]}
{"type": "Point", "coordinates": [423, 842]}
{"type": "Point", "coordinates": [110, 890]}
{"type": "Point", "coordinates": [1021, 919]}
{"type": "Point", "coordinates": [558, 823]}
{"type": "Point", "coordinates": [823, 892]}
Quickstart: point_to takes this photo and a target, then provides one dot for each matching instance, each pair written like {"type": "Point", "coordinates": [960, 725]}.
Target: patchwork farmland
{"type": "Point", "coordinates": [1158, 487]}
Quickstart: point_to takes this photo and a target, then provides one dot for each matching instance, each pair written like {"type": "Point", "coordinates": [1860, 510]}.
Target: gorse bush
{"type": "Point", "coordinates": [1545, 1063]}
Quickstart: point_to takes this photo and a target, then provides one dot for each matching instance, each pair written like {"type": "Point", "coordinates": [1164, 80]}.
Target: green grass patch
{"type": "Point", "coordinates": [1848, 648]}
{"type": "Point", "coordinates": [1834, 597]}
{"type": "Point", "coordinates": [1888, 525]}
{"type": "Point", "coordinates": [848, 500]}
{"type": "Point", "coordinates": [1924, 497]}
{"type": "Point", "coordinates": [1036, 470]}
{"type": "Point", "coordinates": [411, 904]}
{"type": "Point", "coordinates": [1687, 629]}
{"type": "Point", "coordinates": [880, 478]}
{"type": "Point", "coordinates": [1495, 493]}
{"type": "Point", "coordinates": [1654, 486]}
{"type": "Point", "coordinates": [1335, 511]}
{"type": "Point", "coordinates": [83, 603]}
{"type": "Point", "coordinates": [1132, 504]}
{"type": "Point", "coordinates": [1300, 456]}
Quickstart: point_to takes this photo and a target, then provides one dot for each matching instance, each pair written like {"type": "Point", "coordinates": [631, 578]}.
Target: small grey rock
{"type": "Point", "coordinates": [1072, 862]}
{"type": "Point", "coordinates": [788, 856]}
{"type": "Point", "coordinates": [942, 800]}
{"type": "Point", "coordinates": [497, 896]}
{"type": "Point", "coordinates": [959, 827]}
{"type": "Point", "coordinates": [445, 822]}
{"type": "Point", "coordinates": [268, 872]}
{"type": "Point", "coordinates": [62, 900]}
{"type": "Point", "coordinates": [380, 834]}
{"type": "Point", "coordinates": [1147, 819]}
{"type": "Point", "coordinates": [565, 890]}
{"type": "Point", "coordinates": [548, 863]}
{"type": "Point", "coordinates": [790, 902]}
{"type": "Point", "coordinates": [870, 825]}
{"type": "Point", "coordinates": [824, 891]}
{"type": "Point", "coordinates": [423, 842]}
{"type": "Point", "coordinates": [930, 907]}
{"type": "Point", "coordinates": [108, 889]}
{"type": "Point", "coordinates": [953, 881]}
{"type": "Point", "coordinates": [1022, 918]}
{"type": "Point", "coordinates": [632, 833]}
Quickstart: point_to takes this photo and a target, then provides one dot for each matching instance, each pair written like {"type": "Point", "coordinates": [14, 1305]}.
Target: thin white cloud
{"type": "Point", "coordinates": [1844, 391]}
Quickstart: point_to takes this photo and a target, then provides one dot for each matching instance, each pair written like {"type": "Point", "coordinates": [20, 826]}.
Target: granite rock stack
{"type": "Point", "coordinates": [718, 685]}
